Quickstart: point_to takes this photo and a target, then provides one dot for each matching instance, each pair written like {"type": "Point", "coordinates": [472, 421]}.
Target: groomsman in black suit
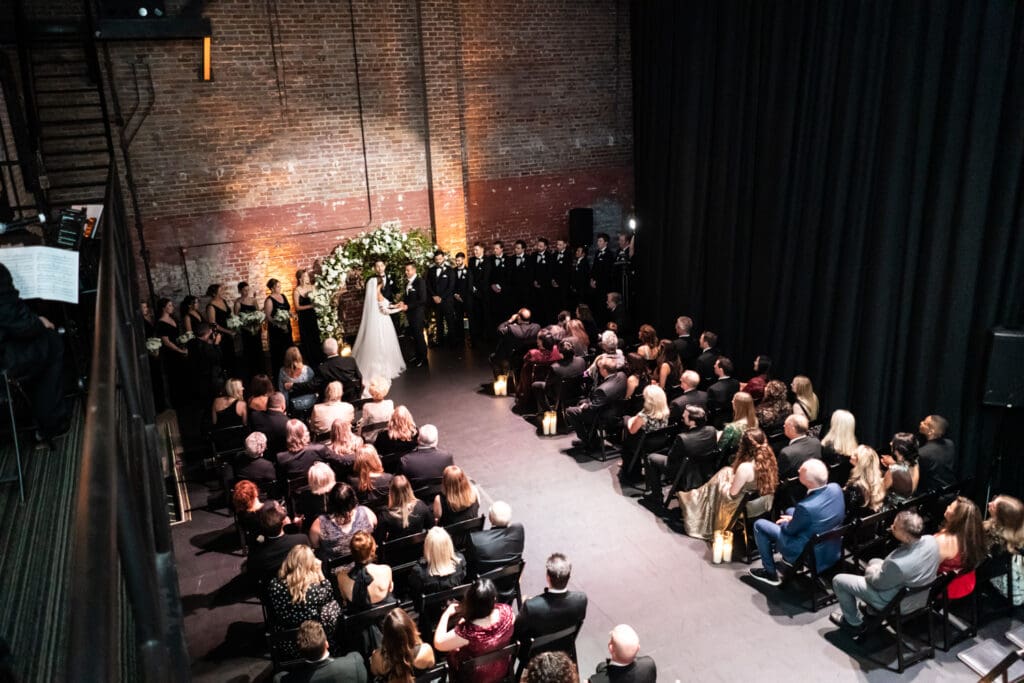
{"type": "Point", "coordinates": [560, 276]}
{"type": "Point", "coordinates": [479, 299]}
{"type": "Point", "coordinates": [579, 278]}
{"type": "Point", "coordinates": [461, 297]}
{"type": "Point", "coordinates": [540, 288]}
{"type": "Point", "coordinates": [441, 290]}
{"type": "Point", "coordinates": [520, 276]}
{"type": "Point", "coordinates": [499, 298]}
{"type": "Point", "coordinates": [601, 278]}
{"type": "Point", "coordinates": [705, 362]}
{"type": "Point", "coordinates": [415, 304]}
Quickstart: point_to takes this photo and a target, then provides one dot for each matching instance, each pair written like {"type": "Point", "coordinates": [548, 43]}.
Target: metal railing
{"type": "Point", "coordinates": [121, 533]}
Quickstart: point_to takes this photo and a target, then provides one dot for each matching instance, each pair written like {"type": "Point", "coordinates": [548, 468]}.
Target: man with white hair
{"type": "Point", "coordinates": [252, 465]}
{"type": "Point", "coordinates": [801, 448]}
{"type": "Point", "coordinates": [691, 396]}
{"type": "Point", "coordinates": [342, 369]}
{"type": "Point", "coordinates": [498, 546]}
{"type": "Point", "coordinates": [823, 509]}
{"type": "Point", "coordinates": [624, 665]}
{"type": "Point", "coordinates": [426, 462]}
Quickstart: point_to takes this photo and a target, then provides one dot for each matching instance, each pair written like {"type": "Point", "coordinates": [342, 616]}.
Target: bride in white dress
{"type": "Point", "coordinates": [376, 349]}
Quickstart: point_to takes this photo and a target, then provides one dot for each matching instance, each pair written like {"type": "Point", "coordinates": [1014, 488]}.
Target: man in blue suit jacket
{"type": "Point", "coordinates": [822, 510]}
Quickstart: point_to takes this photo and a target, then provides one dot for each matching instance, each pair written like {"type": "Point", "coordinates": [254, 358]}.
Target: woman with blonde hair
{"type": "Point", "coordinates": [369, 479]}
{"type": "Point", "coordinates": [864, 491]}
{"type": "Point", "coordinates": [806, 400]}
{"type": "Point", "coordinates": [332, 408]}
{"type": "Point", "coordinates": [1004, 530]}
{"type": "Point", "coordinates": [343, 442]}
{"type": "Point", "coordinates": [744, 418]}
{"type": "Point", "coordinates": [406, 514]}
{"type": "Point", "coordinates": [367, 583]}
{"type": "Point", "coordinates": [440, 568]}
{"type": "Point", "coordinates": [400, 436]}
{"type": "Point", "coordinates": [709, 508]}
{"type": "Point", "coordinates": [229, 408]}
{"type": "Point", "coordinates": [312, 501]}
{"type": "Point", "coordinates": [294, 373]}
{"type": "Point", "coordinates": [378, 409]}
{"type": "Point", "coordinates": [458, 500]}
{"type": "Point", "coordinates": [577, 335]}
{"type": "Point", "coordinates": [300, 593]}
{"type": "Point", "coordinates": [654, 415]}
{"type": "Point", "coordinates": [841, 441]}
{"type": "Point", "coordinates": [301, 454]}
{"type": "Point", "coordinates": [402, 654]}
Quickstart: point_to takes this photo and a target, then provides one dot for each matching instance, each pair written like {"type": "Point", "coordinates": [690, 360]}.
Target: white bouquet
{"type": "Point", "coordinates": [185, 338]}
{"type": "Point", "coordinates": [252, 320]}
{"type": "Point", "coordinates": [153, 345]}
{"type": "Point", "coordinates": [234, 322]}
{"type": "Point", "coordinates": [282, 319]}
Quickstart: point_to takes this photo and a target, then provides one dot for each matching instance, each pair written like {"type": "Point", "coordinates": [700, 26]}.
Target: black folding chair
{"type": "Point", "coordinates": [908, 604]}
{"type": "Point", "coordinates": [460, 531]}
{"type": "Point", "coordinates": [430, 605]}
{"type": "Point", "coordinates": [506, 580]}
{"type": "Point", "coordinates": [435, 674]}
{"type": "Point", "coordinates": [741, 524]}
{"type": "Point", "coordinates": [687, 465]}
{"type": "Point", "coordinates": [467, 671]}
{"type": "Point", "coordinates": [402, 549]}
{"type": "Point", "coordinates": [427, 489]}
{"type": "Point", "coordinates": [352, 628]}
{"type": "Point", "coordinates": [647, 443]}
{"type": "Point", "coordinates": [281, 643]}
{"type": "Point", "coordinates": [871, 537]}
{"type": "Point", "coordinates": [7, 397]}
{"type": "Point", "coordinates": [559, 641]}
{"type": "Point", "coordinates": [806, 567]}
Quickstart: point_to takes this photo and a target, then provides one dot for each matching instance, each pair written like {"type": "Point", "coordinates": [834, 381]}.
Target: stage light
{"type": "Point", "coordinates": [632, 223]}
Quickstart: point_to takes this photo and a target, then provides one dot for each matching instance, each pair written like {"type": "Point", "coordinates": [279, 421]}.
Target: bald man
{"type": "Point", "coordinates": [624, 666]}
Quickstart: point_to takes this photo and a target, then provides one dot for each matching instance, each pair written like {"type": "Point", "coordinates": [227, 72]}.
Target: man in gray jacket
{"type": "Point", "coordinates": [913, 564]}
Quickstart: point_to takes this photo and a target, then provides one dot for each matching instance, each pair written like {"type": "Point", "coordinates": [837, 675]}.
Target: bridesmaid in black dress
{"type": "Point", "coordinates": [309, 331]}
{"type": "Point", "coordinates": [279, 335]}
{"type": "Point", "coordinates": [155, 376]}
{"type": "Point", "coordinates": [252, 363]}
{"type": "Point", "coordinates": [172, 354]}
{"type": "Point", "coordinates": [189, 313]}
{"type": "Point", "coordinates": [217, 313]}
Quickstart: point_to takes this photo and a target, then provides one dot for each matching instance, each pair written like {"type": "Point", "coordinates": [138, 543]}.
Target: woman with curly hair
{"type": "Point", "coordinates": [709, 508]}
{"type": "Point", "coordinates": [774, 408]}
{"type": "Point", "coordinates": [902, 474]}
{"type": "Point", "coordinates": [1004, 530]}
{"type": "Point", "coordinates": [648, 349]}
{"type": "Point", "coordinates": [299, 593]}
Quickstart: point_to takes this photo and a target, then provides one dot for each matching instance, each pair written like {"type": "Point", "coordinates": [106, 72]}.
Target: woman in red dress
{"type": "Point", "coordinates": [961, 545]}
{"type": "Point", "coordinates": [483, 627]}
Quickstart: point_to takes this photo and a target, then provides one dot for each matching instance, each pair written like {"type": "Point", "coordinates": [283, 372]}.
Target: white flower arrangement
{"type": "Point", "coordinates": [282, 319]}
{"type": "Point", "coordinates": [153, 345]}
{"type": "Point", "coordinates": [185, 338]}
{"type": "Point", "coordinates": [252, 320]}
{"type": "Point", "coordinates": [234, 322]}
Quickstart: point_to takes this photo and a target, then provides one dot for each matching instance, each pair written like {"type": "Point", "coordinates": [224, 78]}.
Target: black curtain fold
{"type": "Point", "coordinates": [839, 185]}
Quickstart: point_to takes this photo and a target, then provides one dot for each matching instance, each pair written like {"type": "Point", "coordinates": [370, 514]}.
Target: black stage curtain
{"type": "Point", "coordinates": [839, 185]}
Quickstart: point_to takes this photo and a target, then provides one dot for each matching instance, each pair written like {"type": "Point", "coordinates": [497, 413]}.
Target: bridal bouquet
{"type": "Point", "coordinates": [282, 319]}
{"type": "Point", "coordinates": [153, 345]}
{"type": "Point", "coordinates": [185, 338]}
{"type": "Point", "coordinates": [251, 320]}
{"type": "Point", "coordinates": [234, 322]}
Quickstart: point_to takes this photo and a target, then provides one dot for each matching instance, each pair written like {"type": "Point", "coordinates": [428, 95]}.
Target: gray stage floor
{"type": "Point", "coordinates": [698, 620]}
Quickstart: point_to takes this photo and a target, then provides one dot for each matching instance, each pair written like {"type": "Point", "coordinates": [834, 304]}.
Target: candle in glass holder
{"type": "Point", "coordinates": [501, 386]}
{"type": "Point", "coordinates": [717, 546]}
{"type": "Point", "coordinates": [726, 546]}
{"type": "Point", "coordinates": [550, 422]}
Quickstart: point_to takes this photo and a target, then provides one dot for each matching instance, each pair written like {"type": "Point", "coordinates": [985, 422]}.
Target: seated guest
{"type": "Point", "coordinates": [300, 593]}
{"type": "Point", "coordinates": [744, 418]}
{"type": "Point", "coordinates": [515, 336]}
{"type": "Point", "coordinates": [556, 608]}
{"type": "Point", "coordinates": [686, 347]}
{"type": "Point", "coordinates": [332, 532]}
{"type": "Point", "coordinates": [229, 408]}
{"type": "Point", "coordinates": [499, 546]}
{"type": "Point", "coordinates": [311, 502]}
{"type": "Point", "coordinates": [266, 557]}
{"type": "Point", "coordinates": [961, 545]}
{"type": "Point", "coordinates": [293, 380]}
{"type": "Point", "coordinates": [440, 568]}
{"type": "Point", "coordinates": [333, 408]}
{"type": "Point", "coordinates": [638, 375]}
{"type": "Point", "coordinates": [705, 363]}
{"type": "Point", "coordinates": [458, 500]}
{"type": "Point", "coordinates": [426, 462]}
{"type": "Point", "coordinates": [604, 404]}
{"type": "Point", "coordinates": [406, 514]}
{"type": "Point", "coordinates": [841, 441]}
{"type": "Point", "coordinates": [252, 465]}
{"type": "Point", "coordinates": [608, 345]}
{"type": "Point", "coordinates": [400, 436]}
{"type": "Point", "coordinates": [366, 583]}
{"type": "Point", "coordinates": [301, 454]}
{"type": "Point", "coordinates": [913, 564]}
{"type": "Point", "coordinates": [586, 318]}
{"type": "Point", "coordinates": [902, 473]}
{"type": "Point", "coordinates": [576, 335]}
{"type": "Point", "coordinates": [369, 479]}
{"type": "Point", "coordinates": [260, 389]}
{"type": "Point", "coordinates": [820, 511]}
{"type": "Point", "coordinates": [756, 385]}
{"type": "Point", "coordinates": [551, 667]}
{"type": "Point", "coordinates": [624, 664]}
{"type": "Point", "coordinates": [342, 447]}
{"type": "Point", "coordinates": [806, 403]}
{"type": "Point", "coordinates": [273, 423]}
{"type": "Point", "coordinates": [648, 349]}
{"type": "Point", "coordinates": [654, 415]}
{"type": "Point", "coordinates": [692, 448]}
{"type": "Point", "coordinates": [401, 654]}
{"type": "Point", "coordinates": [691, 396]}
{"type": "Point", "coordinates": [864, 492]}
{"type": "Point", "coordinates": [245, 498]}
{"type": "Point", "coordinates": [1004, 530]}
{"type": "Point", "coordinates": [570, 366]}
{"type": "Point", "coordinates": [617, 313]}
{"type": "Point", "coordinates": [378, 410]}
{"type": "Point", "coordinates": [667, 365]}
{"type": "Point", "coordinates": [344, 369]}
{"type": "Point", "coordinates": [936, 456]}
{"type": "Point", "coordinates": [320, 667]}
{"type": "Point", "coordinates": [720, 393]}
{"type": "Point", "coordinates": [485, 625]}
{"type": "Point", "coordinates": [773, 408]}
{"type": "Point", "coordinates": [544, 355]}
{"type": "Point", "coordinates": [709, 508]}
{"type": "Point", "coordinates": [801, 448]}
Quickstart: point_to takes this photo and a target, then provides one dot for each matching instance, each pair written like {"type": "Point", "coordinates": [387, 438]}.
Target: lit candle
{"type": "Point", "coordinates": [501, 386]}
{"type": "Point", "coordinates": [716, 548]}
{"type": "Point", "coordinates": [550, 423]}
{"type": "Point", "coordinates": [726, 546]}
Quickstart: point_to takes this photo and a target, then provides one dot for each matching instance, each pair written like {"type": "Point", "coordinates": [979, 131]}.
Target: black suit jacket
{"type": "Point", "coordinates": [720, 394]}
{"type": "Point", "coordinates": [291, 465]}
{"type": "Point", "coordinates": [642, 670]}
{"type": "Point", "coordinates": [479, 276]}
{"type": "Point", "coordinates": [560, 269]}
{"type": "Point", "coordinates": [348, 668]}
{"type": "Point", "coordinates": [463, 283]}
{"type": "Point", "coordinates": [705, 367]}
{"type": "Point", "coordinates": [693, 397]}
{"type": "Point", "coordinates": [579, 277]}
{"type": "Point", "coordinates": [541, 271]}
{"type": "Point", "coordinates": [607, 396]}
{"type": "Point", "coordinates": [693, 447]}
{"type": "Point", "coordinates": [388, 288]}
{"type": "Point", "coordinates": [937, 460]}
{"type": "Point", "coordinates": [601, 271]}
{"type": "Point", "coordinates": [495, 547]}
{"type": "Point", "coordinates": [550, 612]}
{"type": "Point", "coordinates": [425, 463]}
{"type": "Point", "coordinates": [520, 278]}
{"type": "Point", "coordinates": [688, 351]}
{"type": "Point", "coordinates": [416, 300]}
{"type": "Point", "coordinates": [442, 285]}
{"type": "Point", "coordinates": [255, 470]}
{"type": "Point", "coordinates": [796, 454]}
{"type": "Point", "coordinates": [514, 339]}
{"type": "Point", "coordinates": [274, 426]}
{"type": "Point", "coordinates": [497, 272]}
{"type": "Point", "coordinates": [343, 369]}
{"type": "Point", "coordinates": [267, 557]}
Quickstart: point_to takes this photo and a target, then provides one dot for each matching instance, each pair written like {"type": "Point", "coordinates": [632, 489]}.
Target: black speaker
{"type": "Point", "coordinates": [1004, 382]}
{"type": "Point", "coordinates": [581, 227]}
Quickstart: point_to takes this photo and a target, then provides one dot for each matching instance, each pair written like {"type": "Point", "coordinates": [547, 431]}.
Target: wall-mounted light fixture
{"type": "Point", "coordinates": [206, 74]}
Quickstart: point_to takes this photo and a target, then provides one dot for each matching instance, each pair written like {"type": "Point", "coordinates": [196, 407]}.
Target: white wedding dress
{"type": "Point", "coordinates": [376, 349]}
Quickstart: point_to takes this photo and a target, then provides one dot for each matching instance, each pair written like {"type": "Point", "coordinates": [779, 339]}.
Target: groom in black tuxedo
{"type": "Point", "coordinates": [414, 305]}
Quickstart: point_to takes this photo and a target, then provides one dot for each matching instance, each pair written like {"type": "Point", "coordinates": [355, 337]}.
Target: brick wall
{"type": "Point", "coordinates": [526, 108]}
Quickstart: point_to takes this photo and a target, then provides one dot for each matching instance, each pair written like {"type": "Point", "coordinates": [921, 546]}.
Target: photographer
{"type": "Point", "coordinates": [204, 363]}
{"type": "Point", "coordinates": [515, 337]}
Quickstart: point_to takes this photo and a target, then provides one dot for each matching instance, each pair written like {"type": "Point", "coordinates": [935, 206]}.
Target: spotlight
{"type": "Point", "coordinates": [632, 223]}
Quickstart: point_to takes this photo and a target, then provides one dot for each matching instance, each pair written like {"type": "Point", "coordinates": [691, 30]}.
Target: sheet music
{"type": "Point", "coordinates": [43, 272]}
